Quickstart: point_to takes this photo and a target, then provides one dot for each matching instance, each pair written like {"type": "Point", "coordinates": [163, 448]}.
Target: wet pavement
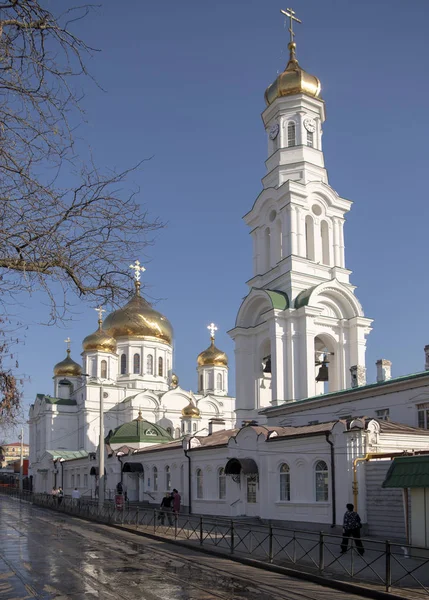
{"type": "Point", "coordinates": [48, 555]}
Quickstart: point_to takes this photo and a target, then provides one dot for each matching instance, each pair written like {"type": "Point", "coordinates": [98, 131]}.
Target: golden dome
{"type": "Point", "coordinates": [191, 411]}
{"type": "Point", "coordinates": [67, 367]}
{"type": "Point", "coordinates": [138, 319]}
{"type": "Point", "coordinates": [212, 357]}
{"type": "Point", "coordinates": [99, 340]}
{"type": "Point", "coordinates": [293, 80]}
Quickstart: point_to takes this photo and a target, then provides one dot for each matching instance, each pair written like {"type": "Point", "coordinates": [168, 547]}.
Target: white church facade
{"type": "Point", "coordinates": [298, 441]}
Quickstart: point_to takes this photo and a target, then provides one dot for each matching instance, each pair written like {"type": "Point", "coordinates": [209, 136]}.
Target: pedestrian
{"type": "Point", "coordinates": [351, 528]}
{"type": "Point", "coordinates": [75, 496]}
{"type": "Point", "coordinates": [165, 507]}
{"type": "Point", "coordinates": [60, 495]}
{"type": "Point", "coordinates": [176, 503]}
{"type": "Point", "coordinates": [119, 488]}
{"type": "Point", "coordinates": [54, 494]}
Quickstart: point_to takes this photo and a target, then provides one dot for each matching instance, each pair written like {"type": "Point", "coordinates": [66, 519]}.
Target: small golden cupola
{"type": "Point", "coordinates": [293, 80]}
{"type": "Point", "coordinates": [191, 411]}
{"type": "Point", "coordinates": [137, 319]}
{"type": "Point", "coordinates": [100, 340]}
{"type": "Point", "coordinates": [67, 367]}
{"type": "Point", "coordinates": [212, 356]}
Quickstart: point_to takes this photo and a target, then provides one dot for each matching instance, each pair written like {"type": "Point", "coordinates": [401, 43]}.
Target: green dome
{"type": "Point", "coordinates": [139, 431]}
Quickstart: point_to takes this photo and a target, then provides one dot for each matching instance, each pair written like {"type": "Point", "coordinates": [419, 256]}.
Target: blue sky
{"type": "Point", "coordinates": [183, 83]}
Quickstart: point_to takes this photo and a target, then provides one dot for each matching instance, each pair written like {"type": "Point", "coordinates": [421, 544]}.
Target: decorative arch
{"type": "Point", "coordinates": [348, 305]}
{"type": "Point", "coordinates": [257, 303]}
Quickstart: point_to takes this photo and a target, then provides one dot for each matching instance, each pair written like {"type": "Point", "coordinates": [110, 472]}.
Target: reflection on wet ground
{"type": "Point", "coordinates": [45, 555]}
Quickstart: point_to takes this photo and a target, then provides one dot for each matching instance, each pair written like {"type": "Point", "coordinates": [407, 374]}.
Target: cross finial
{"type": "Point", "coordinates": [100, 311]}
{"type": "Point", "coordinates": [212, 328]}
{"type": "Point", "coordinates": [68, 342]}
{"type": "Point", "coordinates": [137, 269]}
{"type": "Point", "coordinates": [290, 13]}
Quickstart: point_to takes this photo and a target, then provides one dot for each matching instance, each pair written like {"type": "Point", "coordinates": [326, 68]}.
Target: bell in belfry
{"type": "Point", "coordinates": [323, 373]}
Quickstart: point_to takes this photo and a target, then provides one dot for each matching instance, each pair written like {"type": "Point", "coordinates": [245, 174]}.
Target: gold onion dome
{"type": "Point", "coordinates": [100, 340]}
{"type": "Point", "coordinates": [293, 80]}
{"type": "Point", "coordinates": [191, 411]}
{"type": "Point", "coordinates": [67, 367]}
{"type": "Point", "coordinates": [138, 319]}
{"type": "Point", "coordinates": [212, 357]}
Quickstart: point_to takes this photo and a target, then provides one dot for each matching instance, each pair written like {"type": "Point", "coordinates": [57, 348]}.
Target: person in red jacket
{"type": "Point", "coordinates": [176, 502]}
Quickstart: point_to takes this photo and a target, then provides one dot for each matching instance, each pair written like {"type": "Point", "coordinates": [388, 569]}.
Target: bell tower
{"type": "Point", "coordinates": [301, 313]}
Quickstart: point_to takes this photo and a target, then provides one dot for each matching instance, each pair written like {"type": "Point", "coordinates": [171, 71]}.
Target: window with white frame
{"type": "Point", "coordinates": [284, 483]}
{"type": "Point", "coordinates": [155, 479]}
{"type": "Point", "coordinates": [160, 366]}
{"type": "Point", "coordinates": [382, 414]}
{"type": "Point", "coordinates": [310, 139]}
{"type": "Point", "coordinates": [167, 478]}
{"type": "Point", "coordinates": [200, 483]}
{"type": "Point", "coordinates": [149, 364]}
{"type": "Point", "coordinates": [291, 134]}
{"type": "Point", "coordinates": [423, 415]}
{"type": "Point", "coordinates": [85, 480]}
{"type": "Point", "coordinates": [136, 364]}
{"type": "Point", "coordinates": [78, 480]}
{"type": "Point", "coordinates": [221, 480]}
{"type": "Point", "coordinates": [219, 382]}
{"type": "Point", "coordinates": [103, 369]}
{"type": "Point", "coordinates": [123, 364]}
{"type": "Point", "coordinates": [321, 480]}
{"type": "Point", "coordinates": [72, 480]}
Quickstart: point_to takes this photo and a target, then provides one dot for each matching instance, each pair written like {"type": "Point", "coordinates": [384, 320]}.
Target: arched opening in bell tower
{"type": "Point", "coordinates": [325, 364]}
{"type": "Point", "coordinates": [265, 373]}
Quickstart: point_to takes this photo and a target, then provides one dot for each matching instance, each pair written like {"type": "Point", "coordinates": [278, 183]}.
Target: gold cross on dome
{"type": "Point", "coordinates": [100, 311]}
{"type": "Point", "coordinates": [137, 269]}
{"type": "Point", "coordinates": [212, 328]}
{"type": "Point", "coordinates": [290, 13]}
{"type": "Point", "coordinates": [68, 342]}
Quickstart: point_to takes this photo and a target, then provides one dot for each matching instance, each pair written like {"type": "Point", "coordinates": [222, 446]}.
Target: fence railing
{"type": "Point", "coordinates": [384, 564]}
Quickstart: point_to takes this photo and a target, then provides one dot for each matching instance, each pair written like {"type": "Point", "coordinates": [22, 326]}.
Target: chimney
{"type": "Point", "coordinates": [426, 358]}
{"type": "Point", "coordinates": [384, 370]}
{"type": "Point", "coordinates": [216, 425]}
{"type": "Point", "coordinates": [358, 375]}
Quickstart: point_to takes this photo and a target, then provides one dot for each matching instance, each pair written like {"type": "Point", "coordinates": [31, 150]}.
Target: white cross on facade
{"type": "Point", "coordinates": [137, 269]}
{"type": "Point", "coordinates": [68, 342]}
{"type": "Point", "coordinates": [212, 328]}
{"type": "Point", "coordinates": [100, 311]}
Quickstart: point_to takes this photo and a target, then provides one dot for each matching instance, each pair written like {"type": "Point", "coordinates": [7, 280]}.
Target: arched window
{"type": "Point", "coordinates": [169, 431]}
{"type": "Point", "coordinates": [291, 136]}
{"type": "Point", "coordinates": [167, 478]}
{"type": "Point", "coordinates": [324, 234]}
{"type": "Point", "coordinates": [200, 488]}
{"type": "Point", "coordinates": [219, 382]}
{"type": "Point", "coordinates": [160, 366]}
{"type": "Point", "coordinates": [309, 237]}
{"type": "Point", "coordinates": [149, 364]}
{"type": "Point", "coordinates": [284, 482]}
{"type": "Point", "coordinates": [267, 248]}
{"type": "Point", "coordinates": [123, 364]}
{"type": "Point", "coordinates": [155, 479]}
{"type": "Point", "coordinates": [310, 139]}
{"type": "Point", "coordinates": [103, 369]}
{"type": "Point", "coordinates": [321, 480]}
{"type": "Point", "coordinates": [136, 364]}
{"type": "Point", "coordinates": [177, 432]}
{"type": "Point", "coordinates": [183, 426]}
{"type": "Point", "coordinates": [201, 383]}
{"type": "Point", "coordinates": [221, 484]}
{"type": "Point", "coordinates": [194, 426]}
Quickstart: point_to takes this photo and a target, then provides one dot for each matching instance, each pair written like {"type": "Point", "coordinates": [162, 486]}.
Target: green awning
{"type": "Point", "coordinates": [408, 472]}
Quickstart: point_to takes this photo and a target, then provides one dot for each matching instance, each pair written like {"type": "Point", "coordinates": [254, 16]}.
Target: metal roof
{"type": "Point", "coordinates": [408, 472]}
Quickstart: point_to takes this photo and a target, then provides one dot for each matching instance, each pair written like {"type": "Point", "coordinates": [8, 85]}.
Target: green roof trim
{"type": "Point", "coordinates": [304, 297]}
{"type": "Point", "coordinates": [279, 300]}
{"type": "Point", "coordinates": [408, 472]}
{"type": "Point", "coordinates": [57, 401]}
{"type": "Point", "coordinates": [369, 386]}
{"type": "Point", "coordinates": [67, 454]}
{"type": "Point", "coordinates": [137, 432]}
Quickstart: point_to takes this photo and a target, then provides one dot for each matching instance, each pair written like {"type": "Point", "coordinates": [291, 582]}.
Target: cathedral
{"type": "Point", "coordinates": [296, 442]}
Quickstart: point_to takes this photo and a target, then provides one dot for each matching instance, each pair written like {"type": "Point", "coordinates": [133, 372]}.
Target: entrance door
{"type": "Point", "coordinates": [252, 500]}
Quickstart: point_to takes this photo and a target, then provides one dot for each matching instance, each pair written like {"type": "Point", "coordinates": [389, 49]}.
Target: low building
{"type": "Point", "coordinates": [10, 452]}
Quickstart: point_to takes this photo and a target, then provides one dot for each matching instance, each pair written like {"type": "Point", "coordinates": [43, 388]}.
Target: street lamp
{"type": "Point", "coordinates": [101, 480]}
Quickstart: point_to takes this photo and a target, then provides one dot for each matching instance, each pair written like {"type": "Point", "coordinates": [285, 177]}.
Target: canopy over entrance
{"type": "Point", "coordinates": [132, 468]}
{"type": "Point", "coordinates": [95, 471]}
{"type": "Point", "coordinates": [247, 466]}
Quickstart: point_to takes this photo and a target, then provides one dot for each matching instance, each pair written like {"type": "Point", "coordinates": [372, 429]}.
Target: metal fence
{"type": "Point", "coordinates": [384, 565]}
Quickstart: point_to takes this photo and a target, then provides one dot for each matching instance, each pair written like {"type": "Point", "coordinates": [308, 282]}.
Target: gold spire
{"type": "Point", "coordinates": [68, 367]}
{"type": "Point", "coordinates": [100, 340]}
{"type": "Point", "coordinates": [100, 311]}
{"type": "Point", "coordinates": [212, 328]}
{"type": "Point", "coordinates": [68, 342]}
{"type": "Point", "coordinates": [212, 356]}
{"type": "Point", "coordinates": [293, 80]}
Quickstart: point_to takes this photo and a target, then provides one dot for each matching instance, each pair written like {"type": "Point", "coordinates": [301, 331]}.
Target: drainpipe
{"type": "Point", "coordinates": [186, 451]}
{"type": "Point", "coordinates": [119, 456]}
{"type": "Point", "coordinates": [62, 473]}
{"type": "Point", "coordinates": [334, 500]}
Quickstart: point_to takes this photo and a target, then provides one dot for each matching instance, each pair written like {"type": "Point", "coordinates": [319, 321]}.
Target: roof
{"type": "Point", "coordinates": [67, 454]}
{"type": "Point", "coordinates": [408, 472]}
{"type": "Point", "coordinates": [218, 438]}
{"type": "Point", "coordinates": [393, 427]}
{"type": "Point", "coordinates": [58, 401]}
{"type": "Point", "coordinates": [369, 386]}
{"type": "Point", "coordinates": [317, 429]}
{"type": "Point", "coordinates": [13, 444]}
{"type": "Point", "coordinates": [138, 431]}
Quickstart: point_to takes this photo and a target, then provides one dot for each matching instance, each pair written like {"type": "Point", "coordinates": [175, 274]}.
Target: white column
{"type": "Point", "coordinates": [341, 242]}
{"type": "Point", "coordinates": [336, 242]}
{"type": "Point", "coordinates": [255, 251]}
{"type": "Point", "coordinates": [293, 229]}
{"type": "Point", "coordinates": [289, 362]}
{"type": "Point", "coordinates": [317, 241]}
{"type": "Point", "coordinates": [301, 231]}
{"type": "Point", "coordinates": [277, 362]}
{"type": "Point", "coordinates": [286, 227]}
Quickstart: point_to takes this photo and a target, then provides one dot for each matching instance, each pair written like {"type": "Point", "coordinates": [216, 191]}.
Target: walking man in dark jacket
{"type": "Point", "coordinates": [351, 528]}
